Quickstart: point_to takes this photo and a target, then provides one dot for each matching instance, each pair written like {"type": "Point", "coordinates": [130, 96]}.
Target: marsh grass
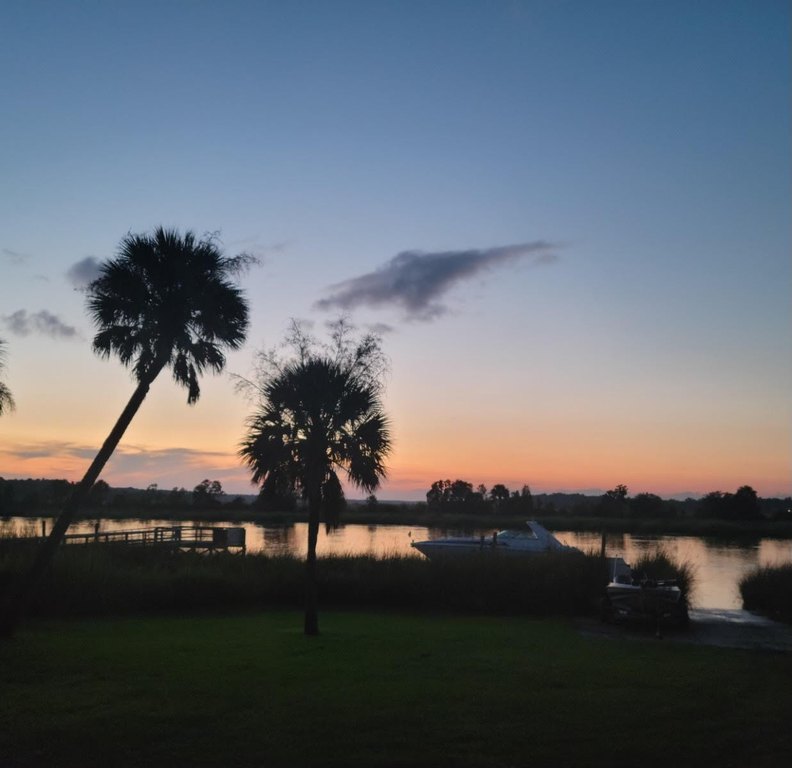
{"type": "Point", "coordinates": [661, 565]}
{"type": "Point", "coordinates": [96, 580]}
{"type": "Point", "coordinates": [100, 580]}
{"type": "Point", "coordinates": [768, 590]}
{"type": "Point", "coordinates": [16, 529]}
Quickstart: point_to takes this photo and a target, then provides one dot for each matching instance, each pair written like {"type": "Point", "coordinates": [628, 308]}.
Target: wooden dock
{"type": "Point", "coordinates": [192, 537]}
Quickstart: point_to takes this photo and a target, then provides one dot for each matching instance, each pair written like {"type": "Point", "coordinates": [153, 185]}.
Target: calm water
{"type": "Point", "coordinates": [718, 564]}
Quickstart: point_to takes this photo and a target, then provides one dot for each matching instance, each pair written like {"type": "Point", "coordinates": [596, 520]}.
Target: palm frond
{"type": "Point", "coordinates": [315, 416]}
{"type": "Point", "coordinates": [6, 399]}
{"type": "Point", "coordinates": [168, 299]}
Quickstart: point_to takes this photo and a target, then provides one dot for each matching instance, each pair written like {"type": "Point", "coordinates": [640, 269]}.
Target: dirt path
{"type": "Point", "coordinates": [724, 628]}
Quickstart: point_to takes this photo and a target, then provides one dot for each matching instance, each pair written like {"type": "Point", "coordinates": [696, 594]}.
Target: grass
{"type": "Point", "coordinates": [661, 565]}
{"type": "Point", "coordinates": [769, 590]}
{"type": "Point", "coordinates": [381, 690]}
{"type": "Point", "coordinates": [112, 580]}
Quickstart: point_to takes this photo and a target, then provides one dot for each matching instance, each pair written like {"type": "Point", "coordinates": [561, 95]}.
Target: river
{"type": "Point", "coordinates": [718, 564]}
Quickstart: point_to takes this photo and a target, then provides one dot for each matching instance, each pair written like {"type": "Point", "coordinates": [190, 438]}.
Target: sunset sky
{"type": "Point", "coordinates": [569, 219]}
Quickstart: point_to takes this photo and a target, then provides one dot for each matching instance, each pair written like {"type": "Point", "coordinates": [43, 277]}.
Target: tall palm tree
{"type": "Point", "coordinates": [6, 400]}
{"type": "Point", "coordinates": [317, 416]}
{"type": "Point", "coordinates": [163, 301]}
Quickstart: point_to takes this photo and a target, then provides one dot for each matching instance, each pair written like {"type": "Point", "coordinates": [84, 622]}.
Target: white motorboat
{"type": "Point", "coordinates": [531, 540]}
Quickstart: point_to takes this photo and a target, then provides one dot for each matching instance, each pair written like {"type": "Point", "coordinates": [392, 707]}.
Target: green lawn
{"type": "Point", "coordinates": [381, 690]}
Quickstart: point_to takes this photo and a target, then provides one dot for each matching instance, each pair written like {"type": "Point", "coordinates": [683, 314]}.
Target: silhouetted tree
{"type": "Point", "coordinates": [163, 301]}
{"type": "Point", "coordinates": [648, 506]}
{"type": "Point", "coordinates": [746, 504]}
{"type": "Point", "coordinates": [460, 492]}
{"type": "Point", "coordinates": [276, 495]}
{"type": "Point", "coordinates": [316, 415]}
{"type": "Point", "coordinates": [619, 493]}
{"type": "Point", "coordinates": [177, 498]}
{"type": "Point", "coordinates": [99, 494]}
{"type": "Point", "coordinates": [238, 502]}
{"type": "Point", "coordinates": [438, 494]}
{"type": "Point", "coordinates": [713, 505]}
{"type": "Point", "coordinates": [742, 505]}
{"type": "Point", "coordinates": [207, 493]}
{"type": "Point", "coordinates": [526, 501]}
{"type": "Point", "coordinates": [459, 496]}
{"type": "Point", "coordinates": [6, 400]}
{"type": "Point", "coordinates": [7, 497]}
{"type": "Point", "coordinates": [614, 502]}
{"type": "Point", "coordinates": [499, 493]}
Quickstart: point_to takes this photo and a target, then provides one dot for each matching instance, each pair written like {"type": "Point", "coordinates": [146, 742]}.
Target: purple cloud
{"type": "Point", "coordinates": [21, 323]}
{"type": "Point", "coordinates": [416, 280]}
{"type": "Point", "coordinates": [83, 272]}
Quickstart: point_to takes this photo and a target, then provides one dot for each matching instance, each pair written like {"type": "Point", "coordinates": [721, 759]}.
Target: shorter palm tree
{"type": "Point", "coordinates": [6, 400]}
{"type": "Point", "coordinates": [317, 416]}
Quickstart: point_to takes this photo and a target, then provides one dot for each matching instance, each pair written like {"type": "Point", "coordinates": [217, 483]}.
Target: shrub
{"type": "Point", "coordinates": [768, 589]}
{"type": "Point", "coordinates": [660, 565]}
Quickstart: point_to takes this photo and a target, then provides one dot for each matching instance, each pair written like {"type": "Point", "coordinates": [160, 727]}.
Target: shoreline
{"type": "Point", "coordinates": [703, 527]}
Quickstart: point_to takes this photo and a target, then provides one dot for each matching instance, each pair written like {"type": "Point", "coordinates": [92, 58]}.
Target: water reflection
{"type": "Point", "coordinates": [718, 564]}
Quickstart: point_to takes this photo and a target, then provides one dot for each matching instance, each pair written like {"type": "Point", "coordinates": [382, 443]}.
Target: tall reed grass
{"type": "Point", "coordinates": [661, 565]}
{"type": "Point", "coordinates": [97, 580]}
{"type": "Point", "coordinates": [768, 590]}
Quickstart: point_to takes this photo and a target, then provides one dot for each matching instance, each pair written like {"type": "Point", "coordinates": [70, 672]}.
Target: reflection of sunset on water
{"type": "Point", "coordinates": [717, 566]}
{"type": "Point", "coordinates": [380, 541]}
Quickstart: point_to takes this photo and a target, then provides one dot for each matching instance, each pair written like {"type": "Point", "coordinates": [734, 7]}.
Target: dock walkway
{"type": "Point", "coordinates": [192, 537]}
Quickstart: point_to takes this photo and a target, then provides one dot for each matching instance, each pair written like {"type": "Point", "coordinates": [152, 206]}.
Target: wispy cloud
{"type": "Point", "coordinates": [416, 281]}
{"type": "Point", "coordinates": [139, 466]}
{"type": "Point", "coordinates": [381, 329]}
{"type": "Point", "coordinates": [22, 323]}
{"type": "Point", "coordinates": [130, 465]}
{"type": "Point", "coordinates": [83, 272]}
{"type": "Point", "coordinates": [15, 257]}
{"type": "Point", "coordinates": [40, 450]}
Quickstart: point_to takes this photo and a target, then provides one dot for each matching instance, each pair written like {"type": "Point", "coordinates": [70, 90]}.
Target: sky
{"type": "Point", "coordinates": [570, 221]}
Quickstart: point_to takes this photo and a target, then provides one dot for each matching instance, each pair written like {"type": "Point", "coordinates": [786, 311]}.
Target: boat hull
{"type": "Point", "coordinates": [446, 549]}
{"type": "Point", "coordinates": [533, 540]}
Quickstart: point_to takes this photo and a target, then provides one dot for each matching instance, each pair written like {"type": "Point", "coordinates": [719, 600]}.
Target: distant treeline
{"type": "Point", "coordinates": [445, 497]}
{"type": "Point", "coordinates": [744, 504]}
{"type": "Point", "coordinates": [25, 497]}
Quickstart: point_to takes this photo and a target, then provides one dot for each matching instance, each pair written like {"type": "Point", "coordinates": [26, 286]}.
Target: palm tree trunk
{"type": "Point", "coordinates": [16, 602]}
{"type": "Point", "coordinates": [311, 626]}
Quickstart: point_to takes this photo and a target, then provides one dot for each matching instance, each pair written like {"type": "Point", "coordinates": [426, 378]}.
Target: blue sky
{"type": "Point", "coordinates": [645, 143]}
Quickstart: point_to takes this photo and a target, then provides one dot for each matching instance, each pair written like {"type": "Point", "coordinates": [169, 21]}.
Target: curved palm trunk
{"type": "Point", "coordinates": [17, 600]}
{"type": "Point", "coordinates": [311, 625]}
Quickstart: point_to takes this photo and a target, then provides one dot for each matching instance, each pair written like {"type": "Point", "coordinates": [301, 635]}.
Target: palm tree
{"type": "Point", "coordinates": [163, 301]}
{"type": "Point", "coordinates": [317, 416]}
{"type": "Point", "coordinates": [6, 400]}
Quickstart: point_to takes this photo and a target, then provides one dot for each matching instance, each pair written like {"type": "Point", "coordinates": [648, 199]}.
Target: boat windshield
{"type": "Point", "coordinates": [529, 534]}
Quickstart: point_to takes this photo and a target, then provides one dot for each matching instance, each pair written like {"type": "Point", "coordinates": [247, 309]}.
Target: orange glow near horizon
{"type": "Point", "coordinates": [545, 454]}
{"type": "Point", "coordinates": [409, 479]}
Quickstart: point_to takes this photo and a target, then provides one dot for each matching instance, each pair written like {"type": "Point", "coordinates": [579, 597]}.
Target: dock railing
{"type": "Point", "coordinates": [196, 537]}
